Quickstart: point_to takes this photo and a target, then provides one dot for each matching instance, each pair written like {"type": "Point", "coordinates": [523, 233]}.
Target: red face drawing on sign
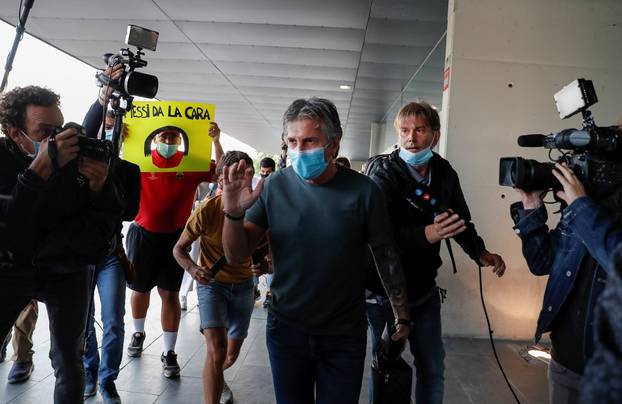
{"type": "Point", "coordinates": [167, 140]}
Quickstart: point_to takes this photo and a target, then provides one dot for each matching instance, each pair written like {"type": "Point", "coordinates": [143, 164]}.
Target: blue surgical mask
{"type": "Point", "coordinates": [108, 134]}
{"type": "Point", "coordinates": [167, 150]}
{"type": "Point", "coordinates": [419, 158]}
{"type": "Point", "coordinates": [308, 164]}
{"type": "Point", "coordinates": [37, 145]}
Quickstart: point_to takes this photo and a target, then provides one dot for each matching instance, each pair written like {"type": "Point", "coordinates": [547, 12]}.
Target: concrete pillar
{"type": "Point", "coordinates": [376, 138]}
{"type": "Point", "coordinates": [505, 60]}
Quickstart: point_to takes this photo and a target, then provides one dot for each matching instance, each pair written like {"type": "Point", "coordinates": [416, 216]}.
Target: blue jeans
{"type": "Point", "coordinates": [110, 280]}
{"type": "Point", "coordinates": [426, 345]}
{"type": "Point", "coordinates": [303, 365]}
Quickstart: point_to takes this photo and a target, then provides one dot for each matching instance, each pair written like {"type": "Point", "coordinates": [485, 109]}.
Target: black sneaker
{"type": "Point", "coordinates": [135, 348]}
{"type": "Point", "coordinates": [109, 393]}
{"type": "Point", "coordinates": [170, 365]}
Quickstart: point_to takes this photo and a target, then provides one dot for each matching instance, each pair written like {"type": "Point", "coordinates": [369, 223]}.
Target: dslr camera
{"type": "Point", "coordinates": [593, 153]}
{"type": "Point", "coordinates": [96, 149]}
{"type": "Point", "coordinates": [132, 83]}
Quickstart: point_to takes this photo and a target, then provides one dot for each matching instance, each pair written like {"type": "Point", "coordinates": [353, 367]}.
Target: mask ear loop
{"type": "Point", "coordinates": [32, 142]}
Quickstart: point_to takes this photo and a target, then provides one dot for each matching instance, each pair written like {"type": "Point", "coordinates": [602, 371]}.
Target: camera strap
{"type": "Point", "coordinates": [420, 197]}
{"type": "Point", "coordinates": [53, 152]}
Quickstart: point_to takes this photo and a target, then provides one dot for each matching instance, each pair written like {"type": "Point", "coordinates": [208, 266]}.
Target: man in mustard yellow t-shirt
{"type": "Point", "coordinates": [225, 300]}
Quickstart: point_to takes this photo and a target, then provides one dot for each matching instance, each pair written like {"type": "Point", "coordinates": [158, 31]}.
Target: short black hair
{"type": "Point", "coordinates": [13, 104]}
{"type": "Point", "coordinates": [231, 157]}
{"type": "Point", "coordinates": [267, 162]}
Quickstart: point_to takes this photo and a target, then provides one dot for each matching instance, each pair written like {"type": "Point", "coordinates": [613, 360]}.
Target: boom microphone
{"type": "Point", "coordinates": [531, 140]}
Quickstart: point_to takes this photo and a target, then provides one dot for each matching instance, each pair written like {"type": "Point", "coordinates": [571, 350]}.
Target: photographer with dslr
{"type": "Point", "coordinates": [576, 257]}
{"type": "Point", "coordinates": [60, 216]}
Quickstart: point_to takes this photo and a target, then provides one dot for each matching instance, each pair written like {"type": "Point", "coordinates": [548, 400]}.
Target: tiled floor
{"type": "Point", "coordinates": [471, 373]}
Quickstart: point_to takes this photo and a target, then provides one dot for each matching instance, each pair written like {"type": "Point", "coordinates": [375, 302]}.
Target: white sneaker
{"type": "Point", "coordinates": [226, 397]}
{"type": "Point", "coordinates": [183, 302]}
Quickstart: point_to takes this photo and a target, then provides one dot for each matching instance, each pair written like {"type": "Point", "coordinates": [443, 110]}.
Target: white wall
{"type": "Point", "coordinates": [537, 47]}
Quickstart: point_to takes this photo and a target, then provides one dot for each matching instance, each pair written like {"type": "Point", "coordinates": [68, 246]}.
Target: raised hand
{"type": "Point", "coordinates": [214, 131]}
{"type": "Point", "coordinates": [237, 192]}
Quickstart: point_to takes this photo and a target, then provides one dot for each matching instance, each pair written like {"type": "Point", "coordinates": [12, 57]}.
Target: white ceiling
{"type": "Point", "coordinates": [252, 58]}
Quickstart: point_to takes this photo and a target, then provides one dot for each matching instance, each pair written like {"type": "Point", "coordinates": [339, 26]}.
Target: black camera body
{"type": "Point", "coordinates": [593, 153]}
{"type": "Point", "coordinates": [96, 149]}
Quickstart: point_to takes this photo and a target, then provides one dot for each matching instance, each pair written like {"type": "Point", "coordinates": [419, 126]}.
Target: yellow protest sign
{"type": "Point", "coordinates": [169, 136]}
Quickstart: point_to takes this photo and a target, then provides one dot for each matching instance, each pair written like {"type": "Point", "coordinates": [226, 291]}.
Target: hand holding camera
{"type": "Point", "coordinates": [573, 188]}
{"type": "Point", "coordinates": [531, 199]}
{"type": "Point", "coordinates": [114, 73]}
{"type": "Point", "coordinates": [66, 145]}
{"type": "Point", "coordinates": [95, 171]}
{"type": "Point", "coordinates": [64, 149]}
{"type": "Point", "coordinates": [590, 154]}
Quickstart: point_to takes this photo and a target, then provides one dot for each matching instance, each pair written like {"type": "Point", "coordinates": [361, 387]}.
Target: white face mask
{"type": "Point", "coordinates": [36, 145]}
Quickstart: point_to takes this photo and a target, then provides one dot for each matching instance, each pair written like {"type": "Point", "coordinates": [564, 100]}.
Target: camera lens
{"type": "Point", "coordinates": [141, 84]}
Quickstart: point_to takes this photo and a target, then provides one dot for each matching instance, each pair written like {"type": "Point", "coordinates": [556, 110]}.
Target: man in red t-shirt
{"type": "Point", "coordinates": [166, 200]}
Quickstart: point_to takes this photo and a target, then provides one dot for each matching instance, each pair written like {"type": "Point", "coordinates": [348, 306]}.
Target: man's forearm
{"type": "Point", "coordinates": [235, 241]}
{"type": "Point", "coordinates": [392, 276]}
{"type": "Point", "coordinates": [218, 151]}
{"type": "Point", "coordinates": [183, 257]}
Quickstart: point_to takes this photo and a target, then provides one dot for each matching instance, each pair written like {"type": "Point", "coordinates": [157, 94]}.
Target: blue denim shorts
{"type": "Point", "coordinates": [227, 305]}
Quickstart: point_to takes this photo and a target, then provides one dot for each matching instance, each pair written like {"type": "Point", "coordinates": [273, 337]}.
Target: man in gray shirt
{"type": "Point", "coordinates": [322, 219]}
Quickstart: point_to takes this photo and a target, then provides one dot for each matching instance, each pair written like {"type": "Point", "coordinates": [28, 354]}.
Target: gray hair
{"type": "Point", "coordinates": [321, 110]}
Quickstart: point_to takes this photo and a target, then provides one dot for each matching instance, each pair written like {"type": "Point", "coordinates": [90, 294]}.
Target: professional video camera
{"type": "Point", "coordinates": [95, 149]}
{"type": "Point", "coordinates": [133, 82]}
{"type": "Point", "coordinates": [593, 153]}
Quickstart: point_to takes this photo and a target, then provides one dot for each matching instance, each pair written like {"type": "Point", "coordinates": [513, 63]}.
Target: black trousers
{"type": "Point", "coordinates": [66, 299]}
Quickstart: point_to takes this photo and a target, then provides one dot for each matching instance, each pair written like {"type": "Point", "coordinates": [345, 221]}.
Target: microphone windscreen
{"type": "Point", "coordinates": [531, 140]}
